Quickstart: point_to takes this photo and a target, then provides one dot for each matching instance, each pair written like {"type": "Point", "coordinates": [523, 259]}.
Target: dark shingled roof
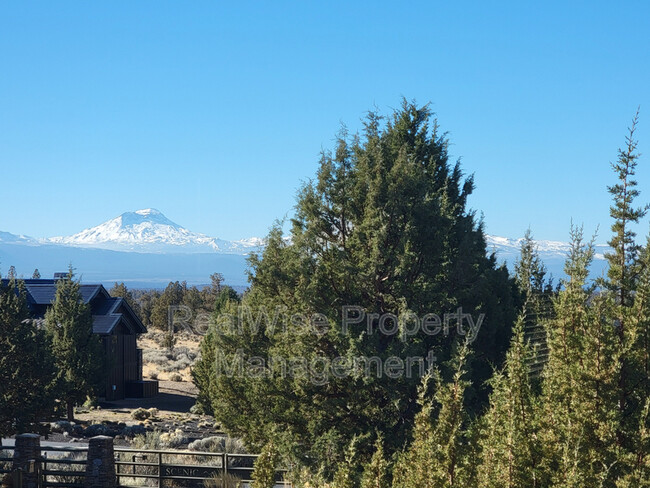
{"type": "Point", "coordinates": [107, 311]}
{"type": "Point", "coordinates": [43, 293]}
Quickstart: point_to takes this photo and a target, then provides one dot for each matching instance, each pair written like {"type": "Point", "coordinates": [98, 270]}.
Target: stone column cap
{"type": "Point", "coordinates": [28, 436]}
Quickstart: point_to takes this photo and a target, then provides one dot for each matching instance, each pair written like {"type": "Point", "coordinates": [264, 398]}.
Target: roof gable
{"type": "Point", "coordinates": [107, 311]}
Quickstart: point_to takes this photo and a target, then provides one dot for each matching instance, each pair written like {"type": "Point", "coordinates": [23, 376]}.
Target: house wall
{"type": "Point", "coordinates": [114, 347]}
{"type": "Point", "coordinates": [123, 363]}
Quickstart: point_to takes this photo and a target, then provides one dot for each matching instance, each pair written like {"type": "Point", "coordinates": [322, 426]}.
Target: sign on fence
{"type": "Point", "coordinates": [173, 470]}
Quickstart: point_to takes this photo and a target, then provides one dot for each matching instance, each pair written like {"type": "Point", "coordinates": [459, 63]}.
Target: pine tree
{"type": "Point", "coordinates": [347, 474]}
{"type": "Point", "coordinates": [414, 466]}
{"type": "Point", "coordinates": [26, 366]}
{"type": "Point", "coordinates": [77, 350]}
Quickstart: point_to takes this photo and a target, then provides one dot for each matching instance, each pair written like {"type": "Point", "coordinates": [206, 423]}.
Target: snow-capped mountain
{"type": "Point", "coordinates": [507, 246]}
{"type": "Point", "coordinates": [7, 237]}
{"type": "Point", "coordinates": [149, 231]}
{"type": "Point", "coordinates": [552, 253]}
{"type": "Point", "coordinates": [146, 249]}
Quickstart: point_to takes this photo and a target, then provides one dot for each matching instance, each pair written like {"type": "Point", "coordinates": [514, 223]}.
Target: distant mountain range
{"type": "Point", "coordinates": [149, 231]}
{"type": "Point", "coordinates": [147, 250]}
{"type": "Point", "coordinates": [552, 253]}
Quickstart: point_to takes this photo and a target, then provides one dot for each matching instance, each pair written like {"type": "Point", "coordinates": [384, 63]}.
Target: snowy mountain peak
{"type": "Point", "coordinates": [149, 216]}
{"type": "Point", "coordinates": [148, 211]}
{"type": "Point", "coordinates": [149, 230]}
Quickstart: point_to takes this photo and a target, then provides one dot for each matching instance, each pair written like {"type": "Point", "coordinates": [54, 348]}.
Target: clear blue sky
{"type": "Point", "coordinates": [214, 112]}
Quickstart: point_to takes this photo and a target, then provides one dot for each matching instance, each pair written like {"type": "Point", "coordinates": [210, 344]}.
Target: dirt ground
{"type": "Point", "coordinates": [173, 403]}
{"type": "Point", "coordinates": [174, 398]}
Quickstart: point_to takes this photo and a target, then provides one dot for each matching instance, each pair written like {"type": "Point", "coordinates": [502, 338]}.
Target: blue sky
{"type": "Point", "coordinates": [214, 112]}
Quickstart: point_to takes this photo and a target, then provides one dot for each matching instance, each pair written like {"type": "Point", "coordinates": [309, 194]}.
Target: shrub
{"type": "Point", "coordinates": [99, 429]}
{"type": "Point", "coordinates": [197, 409]}
{"type": "Point", "coordinates": [218, 443]}
{"type": "Point", "coordinates": [61, 426]}
{"type": "Point", "coordinates": [150, 440]}
{"type": "Point", "coordinates": [173, 439]}
{"type": "Point", "coordinates": [224, 481]}
{"type": "Point", "coordinates": [130, 431]}
{"type": "Point", "coordinates": [176, 377]}
{"type": "Point", "coordinates": [172, 366]}
{"type": "Point", "coordinates": [140, 414]}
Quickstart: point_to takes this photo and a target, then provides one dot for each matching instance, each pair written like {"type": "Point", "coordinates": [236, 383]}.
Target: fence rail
{"type": "Point", "coordinates": [138, 468]}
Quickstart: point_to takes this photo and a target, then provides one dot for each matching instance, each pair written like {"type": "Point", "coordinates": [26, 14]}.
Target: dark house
{"type": "Point", "coordinates": [118, 326]}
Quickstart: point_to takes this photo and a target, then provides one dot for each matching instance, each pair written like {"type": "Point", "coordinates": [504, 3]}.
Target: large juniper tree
{"type": "Point", "coordinates": [385, 226]}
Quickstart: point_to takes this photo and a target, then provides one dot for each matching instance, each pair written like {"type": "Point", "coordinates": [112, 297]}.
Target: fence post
{"type": "Point", "coordinates": [100, 466]}
{"type": "Point", "coordinates": [27, 458]}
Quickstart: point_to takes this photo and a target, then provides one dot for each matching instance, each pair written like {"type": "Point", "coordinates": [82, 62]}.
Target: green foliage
{"type": "Point", "coordinates": [120, 290]}
{"type": "Point", "coordinates": [376, 473]}
{"type": "Point", "coordinates": [536, 304]}
{"type": "Point", "coordinates": [204, 370]}
{"type": "Point", "coordinates": [579, 414]}
{"type": "Point", "coordinates": [78, 353]}
{"type": "Point", "coordinates": [26, 366]}
{"type": "Point", "coordinates": [385, 226]}
{"type": "Point", "coordinates": [509, 440]}
{"type": "Point", "coordinates": [439, 454]}
{"type": "Point", "coordinates": [172, 295]}
{"type": "Point", "coordinates": [623, 264]}
{"type": "Point", "coordinates": [265, 467]}
{"type": "Point", "coordinates": [168, 340]}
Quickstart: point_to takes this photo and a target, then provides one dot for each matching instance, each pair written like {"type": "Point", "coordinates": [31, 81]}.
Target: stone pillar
{"type": "Point", "coordinates": [27, 458]}
{"type": "Point", "coordinates": [100, 467]}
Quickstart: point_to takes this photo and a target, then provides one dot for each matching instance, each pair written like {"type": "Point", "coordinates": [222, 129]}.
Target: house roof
{"type": "Point", "coordinates": [42, 292]}
{"type": "Point", "coordinates": [107, 311]}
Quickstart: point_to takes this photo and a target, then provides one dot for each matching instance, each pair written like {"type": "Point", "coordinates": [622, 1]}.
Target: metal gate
{"type": "Point", "coordinates": [65, 467]}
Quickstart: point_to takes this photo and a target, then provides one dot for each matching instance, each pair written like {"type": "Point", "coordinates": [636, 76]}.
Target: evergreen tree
{"type": "Point", "coordinates": [160, 312]}
{"type": "Point", "coordinates": [510, 450]}
{"type": "Point", "coordinates": [384, 226]}
{"type": "Point", "coordinates": [536, 293]}
{"type": "Point", "coordinates": [580, 416]}
{"type": "Point", "coordinates": [204, 372]}
{"type": "Point", "coordinates": [622, 279]}
{"type": "Point", "coordinates": [77, 350]}
{"type": "Point", "coordinates": [265, 467]}
{"type": "Point", "coordinates": [26, 366]}
{"type": "Point", "coordinates": [440, 453]}
{"type": "Point", "coordinates": [376, 474]}
{"type": "Point", "coordinates": [120, 290]}
{"type": "Point", "coordinates": [36, 275]}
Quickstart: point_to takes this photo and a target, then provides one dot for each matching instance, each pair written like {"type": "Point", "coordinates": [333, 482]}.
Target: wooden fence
{"type": "Point", "coordinates": [67, 467]}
